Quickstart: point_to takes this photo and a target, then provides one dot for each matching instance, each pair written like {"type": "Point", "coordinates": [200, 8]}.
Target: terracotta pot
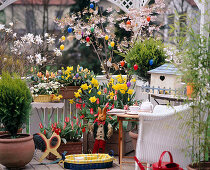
{"type": "Point", "coordinates": [134, 137]}
{"type": "Point", "coordinates": [16, 153]}
{"type": "Point", "coordinates": [204, 166]}
{"type": "Point", "coordinates": [189, 90]}
{"type": "Point", "coordinates": [68, 91]}
{"type": "Point", "coordinates": [70, 147]}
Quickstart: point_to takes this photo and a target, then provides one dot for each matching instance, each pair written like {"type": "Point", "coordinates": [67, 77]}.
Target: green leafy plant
{"type": "Point", "coordinates": [147, 54]}
{"type": "Point", "coordinates": [195, 56]}
{"type": "Point", "coordinates": [69, 131]}
{"type": "Point", "coordinates": [15, 103]}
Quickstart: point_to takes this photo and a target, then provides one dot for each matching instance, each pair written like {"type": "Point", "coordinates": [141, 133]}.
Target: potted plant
{"type": "Point", "coordinates": [147, 54]}
{"type": "Point", "coordinates": [71, 80]}
{"type": "Point", "coordinates": [195, 71]}
{"type": "Point", "coordinates": [44, 88]}
{"type": "Point", "coordinates": [118, 93]}
{"type": "Point", "coordinates": [70, 133]}
{"type": "Point", "coordinates": [15, 104]}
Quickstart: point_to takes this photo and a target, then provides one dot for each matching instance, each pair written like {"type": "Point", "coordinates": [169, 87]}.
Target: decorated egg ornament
{"type": "Point", "coordinates": [122, 63]}
{"type": "Point", "coordinates": [135, 67]}
{"type": "Point", "coordinates": [151, 62]}
{"type": "Point", "coordinates": [148, 18]}
{"type": "Point", "coordinates": [91, 5]}
{"type": "Point", "coordinates": [62, 47]}
{"type": "Point", "coordinates": [69, 30]}
{"type": "Point", "coordinates": [88, 39]}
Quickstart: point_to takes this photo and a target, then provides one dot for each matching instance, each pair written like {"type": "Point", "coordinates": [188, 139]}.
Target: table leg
{"type": "Point", "coordinates": [120, 142]}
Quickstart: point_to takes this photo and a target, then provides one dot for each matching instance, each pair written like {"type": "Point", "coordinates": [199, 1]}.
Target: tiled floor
{"type": "Point", "coordinates": [34, 164]}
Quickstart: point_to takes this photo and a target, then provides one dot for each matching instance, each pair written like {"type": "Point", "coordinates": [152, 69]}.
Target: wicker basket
{"type": "Point", "coordinates": [43, 98]}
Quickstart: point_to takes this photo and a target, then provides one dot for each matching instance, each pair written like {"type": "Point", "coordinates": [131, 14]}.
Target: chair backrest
{"type": "Point", "coordinates": [167, 132]}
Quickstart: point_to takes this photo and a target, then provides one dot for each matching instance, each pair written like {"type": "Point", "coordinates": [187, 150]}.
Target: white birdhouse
{"type": "Point", "coordinates": [165, 77]}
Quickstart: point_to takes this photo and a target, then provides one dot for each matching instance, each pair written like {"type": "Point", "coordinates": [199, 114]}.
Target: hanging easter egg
{"type": "Point", "coordinates": [128, 84]}
{"type": "Point", "coordinates": [80, 69]}
{"type": "Point", "coordinates": [110, 47]}
{"type": "Point", "coordinates": [87, 39]}
{"type": "Point", "coordinates": [62, 47]}
{"type": "Point", "coordinates": [112, 44]}
{"type": "Point", "coordinates": [77, 75]}
{"type": "Point", "coordinates": [128, 22]}
{"type": "Point", "coordinates": [106, 37]}
{"type": "Point", "coordinates": [63, 38]}
{"type": "Point", "coordinates": [135, 67]}
{"type": "Point", "coordinates": [91, 5]}
{"type": "Point", "coordinates": [151, 62]}
{"type": "Point", "coordinates": [92, 29]}
{"type": "Point", "coordinates": [129, 65]}
{"type": "Point", "coordinates": [122, 63]}
{"type": "Point", "coordinates": [148, 18]}
{"type": "Point", "coordinates": [69, 30]}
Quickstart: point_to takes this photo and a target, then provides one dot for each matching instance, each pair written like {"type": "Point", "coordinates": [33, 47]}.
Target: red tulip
{"type": "Point", "coordinates": [148, 18]}
{"type": "Point", "coordinates": [40, 125]}
{"type": "Point", "coordinates": [81, 117]}
{"type": "Point", "coordinates": [83, 129]}
{"type": "Point", "coordinates": [80, 124]}
{"type": "Point", "coordinates": [72, 125]}
{"type": "Point", "coordinates": [78, 106]}
{"type": "Point", "coordinates": [77, 121]}
{"type": "Point", "coordinates": [74, 117]}
{"type": "Point", "coordinates": [55, 124]}
{"type": "Point", "coordinates": [45, 132]}
{"type": "Point", "coordinates": [83, 105]}
{"type": "Point", "coordinates": [97, 101]}
{"type": "Point", "coordinates": [107, 105]}
{"type": "Point", "coordinates": [112, 106]}
{"type": "Point", "coordinates": [91, 111]}
{"type": "Point", "coordinates": [64, 126]}
{"type": "Point", "coordinates": [57, 131]}
{"type": "Point", "coordinates": [67, 119]}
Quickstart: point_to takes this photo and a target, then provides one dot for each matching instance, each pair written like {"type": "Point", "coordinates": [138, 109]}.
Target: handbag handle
{"type": "Point", "coordinates": [161, 158]}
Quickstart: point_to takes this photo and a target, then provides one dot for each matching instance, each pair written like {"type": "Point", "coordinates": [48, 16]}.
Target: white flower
{"type": "Point", "coordinates": [51, 40]}
{"type": "Point", "coordinates": [30, 58]}
{"type": "Point", "coordinates": [46, 34]}
{"type": "Point", "coordinates": [38, 39]}
{"type": "Point", "coordinates": [2, 27]}
{"type": "Point", "coordinates": [57, 52]}
{"type": "Point", "coordinates": [15, 35]}
{"type": "Point", "coordinates": [8, 30]}
{"type": "Point", "coordinates": [11, 24]}
{"type": "Point", "coordinates": [109, 9]}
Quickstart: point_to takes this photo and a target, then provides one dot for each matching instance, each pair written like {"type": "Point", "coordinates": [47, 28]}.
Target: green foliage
{"type": "Point", "coordinates": [15, 102]}
{"type": "Point", "coordinates": [195, 56]}
{"type": "Point", "coordinates": [69, 131]}
{"type": "Point", "coordinates": [141, 53]}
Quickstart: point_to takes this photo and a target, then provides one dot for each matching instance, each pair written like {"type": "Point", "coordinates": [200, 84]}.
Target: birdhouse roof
{"type": "Point", "coordinates": [165, 69]}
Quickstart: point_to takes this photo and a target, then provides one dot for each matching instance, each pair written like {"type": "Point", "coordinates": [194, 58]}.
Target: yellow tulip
{"type": "Point", "coordinates": [112, 44]}
{"type": "Point", "coordinates": [62, 47]}
{"type": "Point", "coordinates": [106, 37]}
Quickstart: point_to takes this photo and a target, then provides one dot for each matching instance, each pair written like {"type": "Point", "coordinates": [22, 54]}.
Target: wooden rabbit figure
{"type": "Point", "coordinates": [102, 130]}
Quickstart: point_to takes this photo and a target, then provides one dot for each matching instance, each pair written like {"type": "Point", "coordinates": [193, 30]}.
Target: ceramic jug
{"type": "Point", "coordinates": [146, 106]}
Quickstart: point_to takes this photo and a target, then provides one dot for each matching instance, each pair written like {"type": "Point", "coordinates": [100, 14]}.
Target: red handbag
{"type": "Point", "coordinates": [162, 165]}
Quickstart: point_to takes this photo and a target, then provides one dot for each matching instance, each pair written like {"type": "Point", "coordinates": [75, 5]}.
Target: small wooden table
{"type": "Point", "coordinates": [123, 117]}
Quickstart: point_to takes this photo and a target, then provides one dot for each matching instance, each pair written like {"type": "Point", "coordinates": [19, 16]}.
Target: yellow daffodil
{"type": "Point", "coordinates": [122, 91]}
{"type": "Point", "coordinates": [130, 91]}
{"type": "Point", "coordinates": [133, 80]}
{"type": "Point", "coordinates": [112, 93]}
{"type": "Point", "coordinates": [93, 99]}
{"type": "Point", "coordinates": [94, 82]}
{"type": "Point", "coordinates": [79, 91]}
{"type": "Point", "coordinates": [76, 94]}
{"type": "Point", "coordinates": [84, 86]}
{"type": "Point", "coordinates": [71, 101]}
{"type": "Point", "coordinates": [90, 86]}
{"type": "Point", "coordinates": [99, 93]}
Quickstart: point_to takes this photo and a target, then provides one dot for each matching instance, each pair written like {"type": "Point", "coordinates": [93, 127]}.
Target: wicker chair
{"type": "Point", "coordinates": [163, 130]}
